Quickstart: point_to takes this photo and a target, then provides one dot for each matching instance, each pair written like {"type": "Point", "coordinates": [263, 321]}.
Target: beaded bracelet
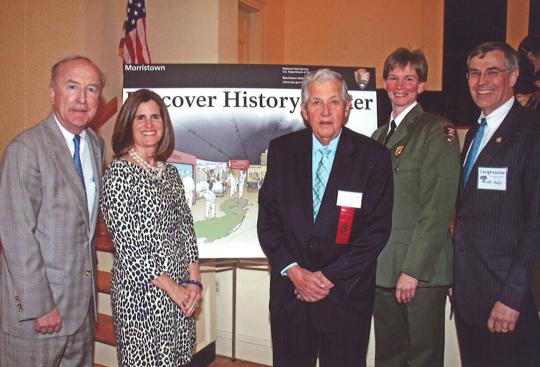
{"type": "Point", "coordinates": [195, 282]}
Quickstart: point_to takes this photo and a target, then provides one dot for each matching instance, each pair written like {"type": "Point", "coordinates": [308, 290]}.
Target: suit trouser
{"type": "Point", "coordinates": [296, 343]}
{"type": "Point", "coordinates": [478, 347]}
{"type": "Point", "coordinates": [409, 334]}
{"type": "Point", "coordinates": [75, 350]}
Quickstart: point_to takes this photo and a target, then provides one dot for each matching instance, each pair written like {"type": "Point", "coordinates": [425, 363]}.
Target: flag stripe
{"type": "Point", "coordinates": [133, 47]}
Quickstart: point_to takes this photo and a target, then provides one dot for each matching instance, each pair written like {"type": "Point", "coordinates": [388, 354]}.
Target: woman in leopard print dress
{"type": "Point", "coordinates": [156, 281]}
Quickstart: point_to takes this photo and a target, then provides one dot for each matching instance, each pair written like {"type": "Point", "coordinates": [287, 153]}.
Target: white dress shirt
{"type": "Point", "coordinates": [86, 162]}
{"type": "Point", "coordinates": [397, 119]}
{"type": "Point", "coordinates": [493, 121]}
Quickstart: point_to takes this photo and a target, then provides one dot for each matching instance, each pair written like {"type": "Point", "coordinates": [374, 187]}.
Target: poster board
{"type": "Point", "coordinates": [224, 116]}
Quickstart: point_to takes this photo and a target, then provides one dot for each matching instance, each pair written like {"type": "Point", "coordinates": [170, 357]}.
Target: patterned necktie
{"type": "Point", "coordinates": [391, 132]}
{"type": "Point", "coordinates": [321, 178]}
{"type": "Point", "coordinates": [77, 157]}
{"type": "Point", "coordinates": [475, 149]}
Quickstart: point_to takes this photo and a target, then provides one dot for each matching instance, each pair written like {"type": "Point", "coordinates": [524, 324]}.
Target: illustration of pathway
{"type": "Point", "coordinates": [214, 228]}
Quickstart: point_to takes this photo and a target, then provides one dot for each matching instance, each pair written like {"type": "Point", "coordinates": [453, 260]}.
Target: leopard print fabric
{"type": "Point", "coordinates": [152, 230]}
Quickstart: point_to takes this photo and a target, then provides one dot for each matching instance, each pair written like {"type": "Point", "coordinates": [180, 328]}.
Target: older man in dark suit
{"type": "Point", "coordinates": [324, 215]}
{"type": "Point", "coordinates": [49, 191]}
{"type": "Point", "coordinates": [497, 233]}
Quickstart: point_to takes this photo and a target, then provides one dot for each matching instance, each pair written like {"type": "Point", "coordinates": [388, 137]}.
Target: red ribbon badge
{"type": "Point", "coordinates": [346, 216]}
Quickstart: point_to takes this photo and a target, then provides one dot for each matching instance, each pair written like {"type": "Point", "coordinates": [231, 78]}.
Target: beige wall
{"type": "Point", "coordinates": [35, 33]}
{"type": "Point", "coordinates": [349, 33]}
{"type": "Point", "coordinates": [517, 21]}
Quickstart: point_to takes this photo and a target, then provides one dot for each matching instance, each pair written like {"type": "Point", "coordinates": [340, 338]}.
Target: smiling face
{"type": "Point", "coordinates": [490, 83]}
{"type": "Point", "coordinates": [403, 86]}
{"type": "Point", "coordinates": [147, 128]}
{"type": "Point", "coordinates": [75, 94]}
{"type": "Point", "coordinates": [325, 111]}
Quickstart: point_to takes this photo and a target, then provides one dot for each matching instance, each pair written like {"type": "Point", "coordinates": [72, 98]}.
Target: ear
{"type": "Point", "coordinates": [347, 112]}
{"type": "Point", "coordinates": [348, 108]}
{"type": "Point", "coordinates": [51, 93]}
{"type": "Point", "coordinates": [514, 77]}
{"type": "Point", "coordinates": [421, 87]}
{"type": "Point", "coordinates": [303, 111]}
{"type": "Point", "coordinates": [384, 84]}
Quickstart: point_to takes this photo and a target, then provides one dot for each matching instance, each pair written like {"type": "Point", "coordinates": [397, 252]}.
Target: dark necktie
{"type": "Point", "coordinates": [391, 132]}
{"type": "Point", "coordinates": [475, 149]}
{"type": "Point", "coordinates": [77, 157]}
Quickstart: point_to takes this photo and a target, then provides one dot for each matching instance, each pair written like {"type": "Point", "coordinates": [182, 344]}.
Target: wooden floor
{"type": "Point", "coordinates": [226, 362]}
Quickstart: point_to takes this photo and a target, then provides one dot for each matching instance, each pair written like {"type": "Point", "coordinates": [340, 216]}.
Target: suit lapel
{"type": "Point", "coordinates": [381, 133]}
{"type": "Point", "coordinates": [62, 159]}
{"type": "Point", "coordinates": [468, 140]}
{"type": "Point", "coordinates": [405, 127]}
{"type": "Point", "coordinates": [302, 164]}
{"type": "Point", "coordinates": [499, 139]}
{"type": "Point", "coordinates": [95, 153]}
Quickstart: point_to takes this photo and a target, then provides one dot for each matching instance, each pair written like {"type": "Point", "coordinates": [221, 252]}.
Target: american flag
{"type": "Point", "coordinates": [133, 47]}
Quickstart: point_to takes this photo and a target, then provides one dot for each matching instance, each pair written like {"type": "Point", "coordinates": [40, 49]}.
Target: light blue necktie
{"type": "Point", "coordinates": [475, 149]}
{"type": "Point", "coordinates": [321, 178]}
{"type": "Point", "coordinates": [77, 157]}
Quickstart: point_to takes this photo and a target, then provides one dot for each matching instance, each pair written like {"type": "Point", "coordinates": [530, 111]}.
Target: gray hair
{"type": "Point", "coordinates": [55, 67]}
{"type": "Point", "coordinates": [510, 55]}
{"type": "Point", "coordinates": [323, 75]}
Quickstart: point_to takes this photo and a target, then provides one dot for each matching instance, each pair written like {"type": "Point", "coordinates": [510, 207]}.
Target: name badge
{"type": "Point", "coordinates": [492, 178]}
{"type": "Point", "coordinates": [349, 199]}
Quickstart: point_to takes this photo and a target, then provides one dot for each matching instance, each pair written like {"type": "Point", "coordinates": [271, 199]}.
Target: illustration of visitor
{"type": "Point", "coordinates": [241, 183]}
{"type": "Point", "coordinates": [189, 187]}
{"type": "Point", "coordinates": [210, 201]}
{"type": "Point", "coordinates": [231, 181]}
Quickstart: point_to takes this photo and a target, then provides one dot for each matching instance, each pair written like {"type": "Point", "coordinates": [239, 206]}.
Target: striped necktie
{"type": "Point", "coordinates": [77, 157]}
{"type": "Point", "coordinates": [321, 178]}
{"type": "Point", "coordinates": [475, 150]}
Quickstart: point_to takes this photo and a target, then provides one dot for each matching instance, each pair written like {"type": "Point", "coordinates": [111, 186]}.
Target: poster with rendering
{"type": "Point", "coordinates": [223, 117]}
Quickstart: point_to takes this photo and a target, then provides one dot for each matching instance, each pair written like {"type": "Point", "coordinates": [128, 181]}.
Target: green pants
{"type": "Point", "coordinates": [409, 335]}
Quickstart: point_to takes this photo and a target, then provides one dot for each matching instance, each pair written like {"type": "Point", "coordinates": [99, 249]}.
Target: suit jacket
{"type": "Point", "coordinates": [287, 232]}
{"type": "Point", "coordinates": [497, 235]}
{"type": "Point", "coordinates": [425, 162]}
{"type": "Point", "coordinates": [49, 251]}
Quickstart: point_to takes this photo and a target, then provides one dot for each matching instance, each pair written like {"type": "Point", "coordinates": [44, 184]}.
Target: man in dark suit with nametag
{"type": "Point", "coordinates": [497, 235]}
{"type": "Point", "coordinates": [325, 213]}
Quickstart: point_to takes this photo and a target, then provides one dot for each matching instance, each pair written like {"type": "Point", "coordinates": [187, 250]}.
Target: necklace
{"type": "Point", "coordinates": [154, 171]}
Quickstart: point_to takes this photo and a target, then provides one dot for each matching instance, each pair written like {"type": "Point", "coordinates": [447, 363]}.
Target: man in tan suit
{"type": "Point", "coordinates": [414, 270]}
{"type": "Point", "coordinates": [50, 179]}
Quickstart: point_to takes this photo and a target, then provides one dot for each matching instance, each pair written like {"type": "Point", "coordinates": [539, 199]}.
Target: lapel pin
{"type": "Point", "coordinates": [499, 139]}
{"type": "Point", "coordinates": [399, 150]}
{"type": "Point", "coordinates": [450, 132]}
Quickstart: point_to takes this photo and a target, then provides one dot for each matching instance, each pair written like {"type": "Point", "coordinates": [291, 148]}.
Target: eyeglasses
{"type": "Point", "coordinates": [489, 73]}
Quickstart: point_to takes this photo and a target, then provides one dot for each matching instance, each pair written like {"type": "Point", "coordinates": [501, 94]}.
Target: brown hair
{"type": "Point", "coordinates": [403, 56]}
{"type": "Point", "coordinates": [122, 138]}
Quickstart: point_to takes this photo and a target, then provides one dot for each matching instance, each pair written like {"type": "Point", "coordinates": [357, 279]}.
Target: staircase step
{"type": "Point", "coordinates": [104, 243]}
{"type": "Point", "coordinates": [105, 330]}
{"type": "Point", "coordinates": [102, 227]}
{"type": "Point", "coordinates": [104, 281]}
